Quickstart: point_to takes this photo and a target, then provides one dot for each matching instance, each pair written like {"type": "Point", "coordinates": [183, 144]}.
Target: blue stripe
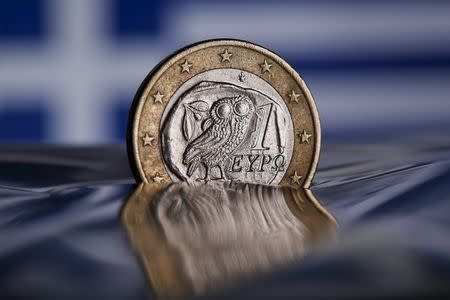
{"type": "Point", "coordinates": [23, 123]}
{"type": "Point", "coordinates": [22, 19]}
{"type": "Point", "coordinates": [119, 118]}
{"type": "Point", "coordinates": [384, 63]}
{"type": "Point", "coordinates": [137, 18]}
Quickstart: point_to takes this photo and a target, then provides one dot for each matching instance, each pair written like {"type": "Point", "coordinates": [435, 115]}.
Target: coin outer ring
{"type": "Point", "coordinates": [134, 117]}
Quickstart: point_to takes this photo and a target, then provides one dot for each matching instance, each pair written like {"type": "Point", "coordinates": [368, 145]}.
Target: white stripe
{"type": "Point", "coordinates": [334, 29]}
{"type": "Point", "coordinates": [349, 101]}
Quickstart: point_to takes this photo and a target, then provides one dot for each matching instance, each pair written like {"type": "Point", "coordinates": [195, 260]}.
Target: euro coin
{"type": "Point", "coordinates": [224, 110]}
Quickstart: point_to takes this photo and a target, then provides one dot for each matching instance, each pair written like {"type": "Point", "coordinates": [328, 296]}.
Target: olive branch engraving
{"type": "Point", "coordinates": [194, 113]}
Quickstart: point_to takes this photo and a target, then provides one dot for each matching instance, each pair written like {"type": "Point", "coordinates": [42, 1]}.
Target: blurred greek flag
{"type": "Point", "coordinates": [69, 68]}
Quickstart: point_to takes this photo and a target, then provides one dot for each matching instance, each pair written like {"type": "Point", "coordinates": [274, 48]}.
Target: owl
{"type": "Point", "coordinates": [224, 130]}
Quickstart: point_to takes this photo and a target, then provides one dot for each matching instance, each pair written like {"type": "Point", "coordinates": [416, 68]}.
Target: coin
{"type": "Point", "coordinates": [224, 110]}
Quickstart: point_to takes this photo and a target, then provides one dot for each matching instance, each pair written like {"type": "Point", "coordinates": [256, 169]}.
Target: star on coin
{"type": "Point", "coordinates": [226, 56]}
{"type": "Point", "coordinates": [148, 139]}
{"type": "Point", "coordinates": [304, 137]}
{"type": "Point", "coordinates": [157, 178]}
{"type": "Point", "coordinates": [185, 67]}
{"type": "Point", "coordinates": [294, 96]}
{"type": "Point", "coordinates": [295, 178]}
{"type": "Point", "coordinates": [158, 97]}
{"type": "Point", "coordinates": [265, 66]}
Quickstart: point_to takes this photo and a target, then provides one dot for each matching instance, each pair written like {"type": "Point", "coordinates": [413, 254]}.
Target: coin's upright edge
{"type": "Point", "coordinates": [317, 128]}
{"type": "Point", "coordinates": [131, 138]}
{"type": "Point", "coordinates": [133, 122]}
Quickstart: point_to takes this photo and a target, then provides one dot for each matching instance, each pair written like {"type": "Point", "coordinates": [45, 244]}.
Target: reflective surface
{"type": "Point", "coordinates": [197, 239]}
{"type": "Point", "coordinates": [61, 234]}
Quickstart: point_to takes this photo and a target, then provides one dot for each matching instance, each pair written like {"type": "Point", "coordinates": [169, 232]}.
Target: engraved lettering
{"type": "Point", "coordinates": [252, 159]}
{"type": "Point", "coordinates": [236, 167]}
{"type": "Point", "coordinates": [263, 113]}
{"type": "Point", "coordinates": [264, 161]}
{"type": "Point", "coordinates": [279, 163]}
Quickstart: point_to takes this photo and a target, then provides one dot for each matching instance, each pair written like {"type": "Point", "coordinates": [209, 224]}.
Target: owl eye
{"type": "Point", "coordinates": [223, 110]}
{"type": "Point", "coordinates": [241, 108]}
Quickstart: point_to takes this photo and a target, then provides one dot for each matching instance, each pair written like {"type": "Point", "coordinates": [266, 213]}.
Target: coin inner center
{"type": "Point", "coordinates": [227, 124]}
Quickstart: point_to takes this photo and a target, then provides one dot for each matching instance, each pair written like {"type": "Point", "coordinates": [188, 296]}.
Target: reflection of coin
{"type": "Point", "coordinates": [224, 110]}
{"type": "Point", "coordinates": [198, 239]}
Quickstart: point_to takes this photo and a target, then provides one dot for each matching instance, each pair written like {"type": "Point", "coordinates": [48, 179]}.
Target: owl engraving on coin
{"type": "Point", "coordinates": [225, 130]}
{"type": "Point", "coordinates": [219, 130]}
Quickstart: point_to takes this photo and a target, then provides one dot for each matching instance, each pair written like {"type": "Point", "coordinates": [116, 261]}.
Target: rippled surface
{"type": "Point", "coordinates": [197, 239]}
{"type": "Point", "coordinates": [61, 235]}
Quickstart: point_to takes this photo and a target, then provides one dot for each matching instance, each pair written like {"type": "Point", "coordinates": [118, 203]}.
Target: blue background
{"type": "Point", "coordinates": [69, 69]}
